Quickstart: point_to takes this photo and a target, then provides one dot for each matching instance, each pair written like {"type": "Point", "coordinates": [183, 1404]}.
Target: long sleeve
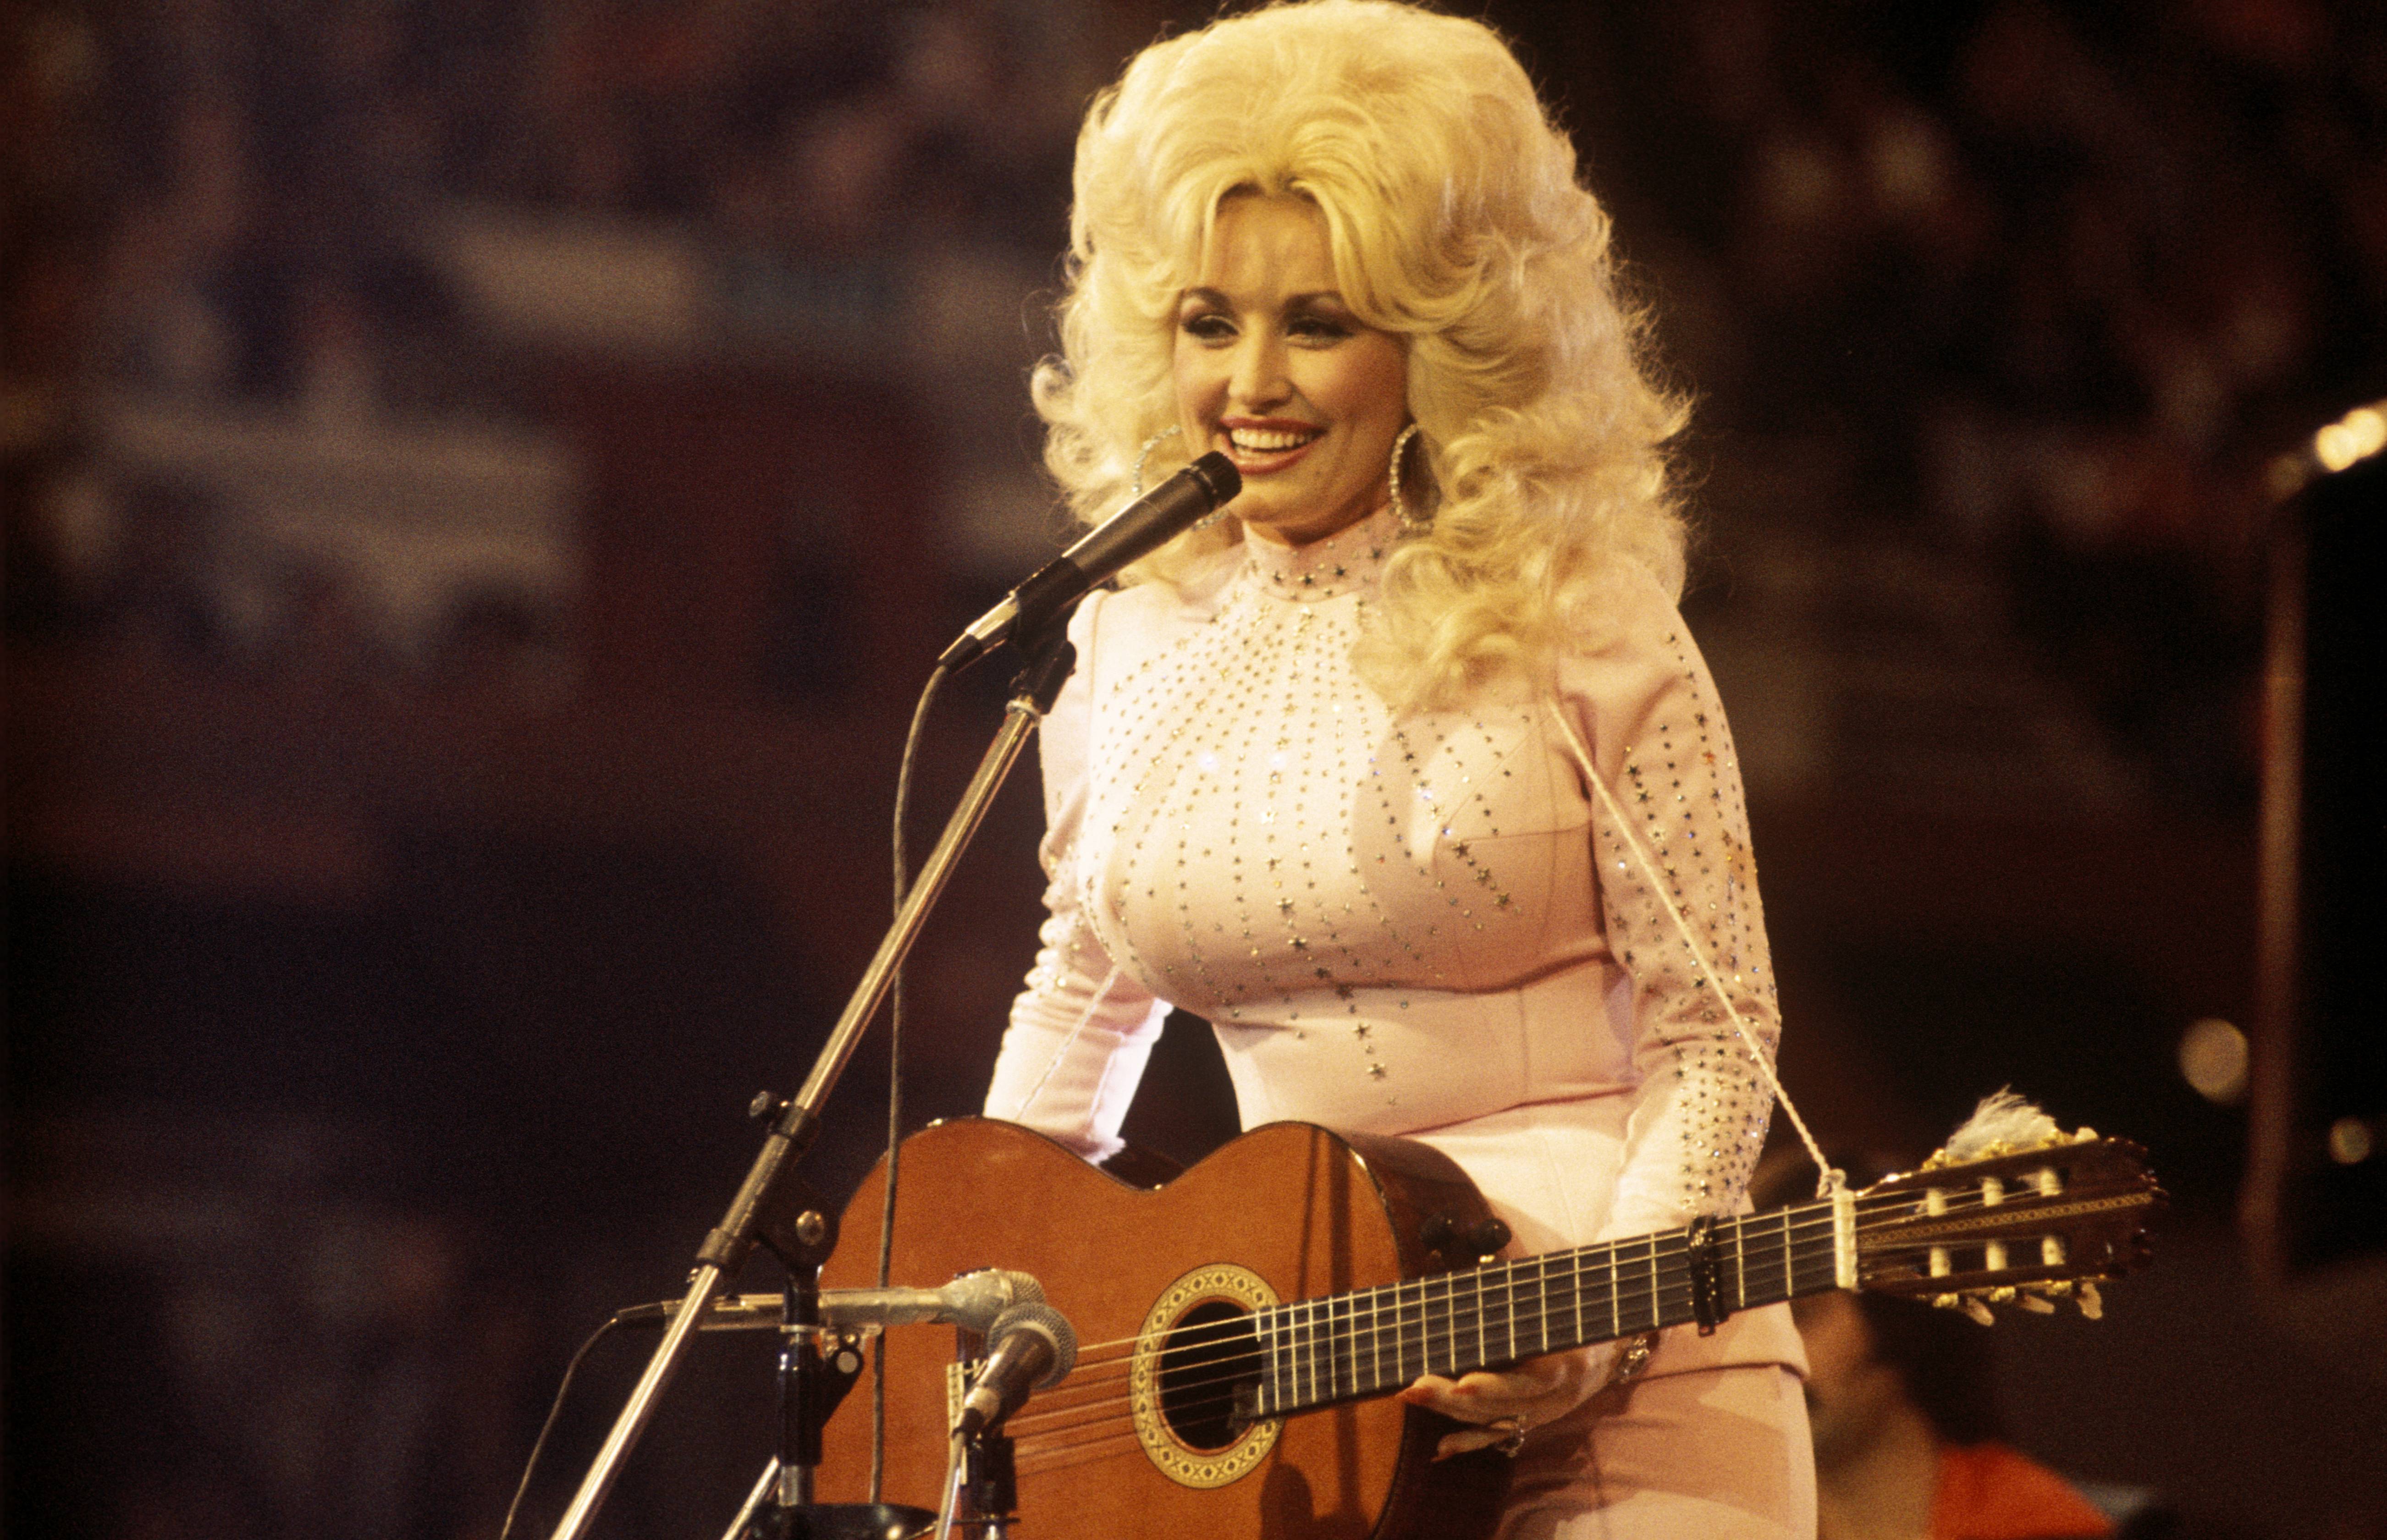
{"type": "Point", "coordinates": [1081, 1029]}
{"type": "Point", "coordinates": [1646, 707]}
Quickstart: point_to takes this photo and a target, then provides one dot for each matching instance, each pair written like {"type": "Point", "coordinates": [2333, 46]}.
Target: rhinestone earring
{"type": "Point", "coordinates": [1136, 490]}
{"type": "Point", "coordinates": [1411, 524]}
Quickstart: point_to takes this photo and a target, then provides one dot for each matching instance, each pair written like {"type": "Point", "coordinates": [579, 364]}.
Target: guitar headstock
{"type": "Point", "coordinates": [2014, 1220]}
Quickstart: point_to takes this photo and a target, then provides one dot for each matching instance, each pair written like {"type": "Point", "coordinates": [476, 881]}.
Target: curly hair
{"type": "Point", "coordinates": [1455, 222]}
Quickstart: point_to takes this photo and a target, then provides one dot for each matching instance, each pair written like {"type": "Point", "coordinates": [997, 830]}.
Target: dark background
{"type": "Point", "coordinates": [484, 481]}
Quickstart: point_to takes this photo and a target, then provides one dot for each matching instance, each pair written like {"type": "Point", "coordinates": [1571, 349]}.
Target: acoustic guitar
{"type": "Point", "coordinates": [1242, 1326]}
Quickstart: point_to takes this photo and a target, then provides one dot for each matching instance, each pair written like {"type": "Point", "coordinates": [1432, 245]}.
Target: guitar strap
{"type": "Point", "coordinates": [1830, 1181]}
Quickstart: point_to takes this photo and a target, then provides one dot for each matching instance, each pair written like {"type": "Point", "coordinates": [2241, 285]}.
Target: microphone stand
{"type": "Point", "coordinates": [769, 1205]}
{"type": "Point", "coordinates": [990, 1487]}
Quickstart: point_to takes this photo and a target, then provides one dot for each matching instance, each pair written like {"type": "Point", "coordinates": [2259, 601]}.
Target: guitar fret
{"type": "Point", "coordinates": [1374, 1377]}
{"type": "Point", "coordinates": [1264, 1332]}
{"type": "Point", "coordinates": [1365, 1342]}
{"type": "Point", "coordinates": [1539, 1318]}
{"type": "Point", "coordinates": [1303, 1379]}
{"type": "Point", "coordinates": [1409, 1327]}
{"type": "Point", "coordinates": [1309, 1315]}
{"type": "Point", "coordinates": [1323, 1322]}
{"type": "Point", "coordinates": [1387, 1315]}
{"type": "Point", "coordinates": [1292, 1355]}
{"type": "Point", "coordinates": [1448, 1361]}
{"type": "Point", "coordinates": [1355, 1328]}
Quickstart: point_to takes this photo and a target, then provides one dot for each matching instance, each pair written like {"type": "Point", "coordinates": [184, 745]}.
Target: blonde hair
{"type": "Point", "coordinates": [1454, 220]}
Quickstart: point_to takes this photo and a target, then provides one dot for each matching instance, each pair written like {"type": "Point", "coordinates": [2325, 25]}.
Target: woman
{"type": "Point", "coordinates": [1405, 772]}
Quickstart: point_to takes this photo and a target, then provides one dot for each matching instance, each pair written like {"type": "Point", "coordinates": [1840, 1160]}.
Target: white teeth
{"type": "Point", "coordinates": [1268, 440]}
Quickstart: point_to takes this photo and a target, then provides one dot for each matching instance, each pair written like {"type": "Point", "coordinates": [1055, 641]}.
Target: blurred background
{"type": "Point", "coordinates": [485, 482]}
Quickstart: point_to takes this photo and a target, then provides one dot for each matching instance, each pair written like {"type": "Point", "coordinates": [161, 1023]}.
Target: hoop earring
{"type": "Point", "coordinates": [1411, 524]}
{"type": "Point", "coordinates": [1136, 490]}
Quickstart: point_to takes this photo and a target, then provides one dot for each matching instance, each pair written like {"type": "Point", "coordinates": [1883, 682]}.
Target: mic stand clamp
{"type": "Point", "coordinates": [990, 1487]}
{"type": "Point", "coordinates": [816, 1370]}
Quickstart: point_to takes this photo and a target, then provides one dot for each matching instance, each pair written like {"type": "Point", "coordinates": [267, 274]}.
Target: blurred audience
{"type": "Point", "coordinates": [2055, 278]}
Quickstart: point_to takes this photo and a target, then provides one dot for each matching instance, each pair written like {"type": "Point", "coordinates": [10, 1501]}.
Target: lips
{"type": "Point", "coordinates": [1267, 441]}
{"type": "Point", "coordinates": [1270, 444]}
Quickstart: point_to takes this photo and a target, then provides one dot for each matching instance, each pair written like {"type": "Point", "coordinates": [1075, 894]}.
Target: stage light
{"type": "Point", "coordinates": [2213, 1059]}
{"type": "Point", "coordinates": [2350, 441]}
{"type": "Point", "coordinates": [2357, 436]}
{"type": "Point", "coordinates": [2349, 1142]}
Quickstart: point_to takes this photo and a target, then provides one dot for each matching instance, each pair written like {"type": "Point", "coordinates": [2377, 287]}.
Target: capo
{"type": "Point", "coordinates": [1707, 1275]}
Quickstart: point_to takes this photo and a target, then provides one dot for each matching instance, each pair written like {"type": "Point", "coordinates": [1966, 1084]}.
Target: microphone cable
{"type": "Point", "coordinates": [554, 1410]}
{"type": "Point", "coordinates": [903, 884]}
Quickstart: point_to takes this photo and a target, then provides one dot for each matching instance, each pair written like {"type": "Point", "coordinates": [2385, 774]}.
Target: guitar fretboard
{"type": "Point", "coordinates": [1352, 1345]}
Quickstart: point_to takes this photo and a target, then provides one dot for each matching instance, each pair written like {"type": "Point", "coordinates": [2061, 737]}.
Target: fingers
{"type": "Point", "coordinates": [1483, 1395]}
{"type": "Point", "coordinates": [1467, 1441]}
{"type": "Point", "coordinates": [1500, 1406]}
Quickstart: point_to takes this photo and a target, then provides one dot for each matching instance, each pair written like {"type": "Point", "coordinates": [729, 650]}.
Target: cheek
{"type": "Point", "coordinates": [1371, 383]}
{"type": "Point", "coordinates": [1197, 381]}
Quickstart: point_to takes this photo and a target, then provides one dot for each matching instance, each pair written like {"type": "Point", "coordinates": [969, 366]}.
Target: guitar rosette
{"type": "Point", "coordinates": [1195, 1344]}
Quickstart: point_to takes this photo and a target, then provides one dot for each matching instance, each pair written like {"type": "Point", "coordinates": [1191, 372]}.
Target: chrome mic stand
{"type": "Point", "coordinates": [769, 1205]}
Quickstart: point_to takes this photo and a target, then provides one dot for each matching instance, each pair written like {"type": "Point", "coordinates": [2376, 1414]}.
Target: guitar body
{"type": "Point", "coordinates": [1136, 1442]}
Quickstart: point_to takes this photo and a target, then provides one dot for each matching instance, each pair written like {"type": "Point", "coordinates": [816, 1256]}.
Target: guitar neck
{"type": "Point", "coordinates": [1348, 1347]}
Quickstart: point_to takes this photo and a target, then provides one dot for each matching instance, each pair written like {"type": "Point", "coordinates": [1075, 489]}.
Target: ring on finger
{"type": "Point", "coordinates": [1516, 1439]}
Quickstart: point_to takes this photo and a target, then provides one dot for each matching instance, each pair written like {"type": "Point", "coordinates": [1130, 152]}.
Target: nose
{"type": "Point", "coordinates": [1259, 379]}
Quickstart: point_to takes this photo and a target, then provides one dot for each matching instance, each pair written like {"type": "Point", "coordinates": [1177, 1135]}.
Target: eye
{"type": "Point", "coordinates": [1207, 326]}
{"type": "Point", "coordinates": [1316, 329]}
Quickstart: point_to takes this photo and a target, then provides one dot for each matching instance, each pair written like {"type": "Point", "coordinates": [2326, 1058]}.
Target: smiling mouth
{"type": "Point", "coordinates": [1270, 441]}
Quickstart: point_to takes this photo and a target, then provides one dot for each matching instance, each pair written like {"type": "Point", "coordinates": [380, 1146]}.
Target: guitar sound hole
{"type": "Point", "coordinates": [1210, 1352]}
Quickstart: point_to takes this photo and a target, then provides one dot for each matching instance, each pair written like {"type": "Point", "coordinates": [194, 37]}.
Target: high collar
{"type": "Point", "coordinates": [1349, 560]}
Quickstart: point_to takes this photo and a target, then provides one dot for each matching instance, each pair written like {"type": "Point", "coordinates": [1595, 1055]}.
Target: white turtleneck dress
{"type": "Point", "coordinates": [1421, 925]}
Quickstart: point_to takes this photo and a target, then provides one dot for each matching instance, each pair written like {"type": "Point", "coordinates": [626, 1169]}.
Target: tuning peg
{"type": "Point", "coordinates": [2091, 1305]}
{"type": "Point", "coordinates": [2002, 1294]}
{"type": "Point", "coordinates": [2034, 1304]}
{"type": "Point", "coordinates": [1967, 1303]}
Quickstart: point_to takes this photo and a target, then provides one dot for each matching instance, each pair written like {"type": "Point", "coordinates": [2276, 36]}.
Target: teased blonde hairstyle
{"type": "Point", "coordinates": [1455, 221]}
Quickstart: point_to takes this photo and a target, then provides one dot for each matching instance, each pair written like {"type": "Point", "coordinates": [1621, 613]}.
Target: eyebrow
{"type": "Point", "coordinates": [1292, 301]}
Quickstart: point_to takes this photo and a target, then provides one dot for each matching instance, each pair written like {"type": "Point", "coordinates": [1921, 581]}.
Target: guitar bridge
{"type": "Point", "coordinates": [958, 1375]}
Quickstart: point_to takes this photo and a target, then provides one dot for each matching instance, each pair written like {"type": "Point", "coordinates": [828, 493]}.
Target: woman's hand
{"type": "Point", "coordinates": [1507, 1405]}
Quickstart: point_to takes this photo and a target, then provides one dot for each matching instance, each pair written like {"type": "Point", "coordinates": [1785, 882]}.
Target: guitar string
{"type": "Point", "coordinates": [1807, 1219]}
{"type": "Point", "coordinates": [1466, 1318]}
{"type": "Point", "coordinates": [1372, 1312]}
{"type": "Point", "coordinates": [1110, 1417]}
{"type": "Point", "coordinates": [1370, 1308]}
{"type": "Point", "coordinates": [1114, 1412]}
{"type": "Point", "coordinates": [1342, 1332]}
{"type": "Point", "coordinates": [1046, 1450]}
{"type": "Point", "coordinates": [1489, 1311]}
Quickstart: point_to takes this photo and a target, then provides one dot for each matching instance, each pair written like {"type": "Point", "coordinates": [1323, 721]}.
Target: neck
{"type": "Point", "coordinates": [1882, 1489]}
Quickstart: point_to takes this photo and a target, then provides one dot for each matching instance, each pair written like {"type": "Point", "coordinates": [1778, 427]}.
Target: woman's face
{"type": "Point", "coordinates": [1272, 368]}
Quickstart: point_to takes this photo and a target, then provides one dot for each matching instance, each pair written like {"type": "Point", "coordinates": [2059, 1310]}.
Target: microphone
{"type": "Point", "coordinates": [1034, 1348]}
{"type": "Point", "coordinates": [1137, 530]}
{"type": "Point", "coordinates": [975, 1300]}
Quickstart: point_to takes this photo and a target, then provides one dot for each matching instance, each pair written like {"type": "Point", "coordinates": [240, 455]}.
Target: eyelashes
{"type": "Point", "coordinates": [1212, 326]}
